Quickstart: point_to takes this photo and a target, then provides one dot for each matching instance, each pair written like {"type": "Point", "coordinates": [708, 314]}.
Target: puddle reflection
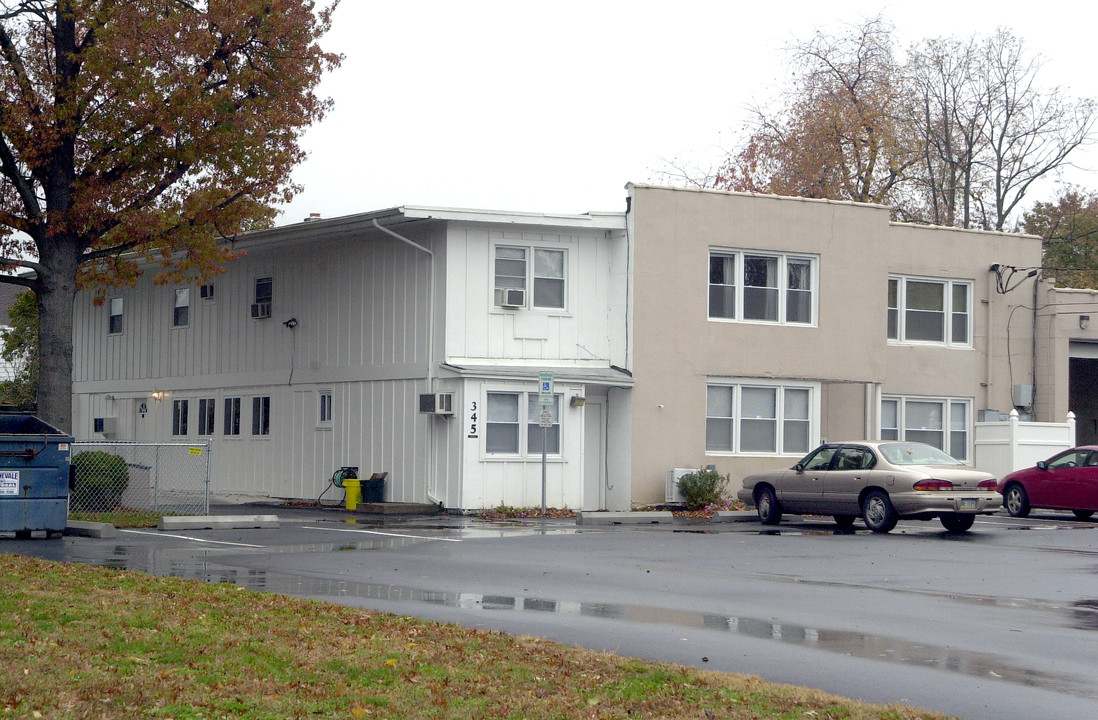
{"type": "Point", "coordinates": [850, 643]}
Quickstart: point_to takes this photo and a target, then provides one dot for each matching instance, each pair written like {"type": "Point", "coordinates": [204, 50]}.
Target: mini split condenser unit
{"type": "Point", "coordinates": [672, 494]}
{"type": "Point", "coordinates": [510, 297]}
{"type": "Point", "coordinates": [437, 403]}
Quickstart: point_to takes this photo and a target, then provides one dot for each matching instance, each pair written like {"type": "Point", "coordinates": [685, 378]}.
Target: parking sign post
{"type": "Point", "coordinates": [545, 420]}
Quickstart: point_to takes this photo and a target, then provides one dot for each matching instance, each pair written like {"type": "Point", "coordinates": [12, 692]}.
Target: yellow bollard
{"type": "Point", "coordinates": [354, 492]}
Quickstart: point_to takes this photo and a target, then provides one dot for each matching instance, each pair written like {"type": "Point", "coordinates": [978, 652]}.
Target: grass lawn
{"type": "Point", "coordinates": [86, 642]}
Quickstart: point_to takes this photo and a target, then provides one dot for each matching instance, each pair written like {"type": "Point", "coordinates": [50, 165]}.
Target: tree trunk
{"type": "Point", "coordinates": [55, 291]}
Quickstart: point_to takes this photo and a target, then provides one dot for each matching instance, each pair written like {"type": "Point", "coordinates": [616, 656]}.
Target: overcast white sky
{"type": "Point", "coordinates": [554, 106]}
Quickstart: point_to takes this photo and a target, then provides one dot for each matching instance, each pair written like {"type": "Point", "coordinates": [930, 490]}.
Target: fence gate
{"type": "Point", "coordinates": [134, 477]}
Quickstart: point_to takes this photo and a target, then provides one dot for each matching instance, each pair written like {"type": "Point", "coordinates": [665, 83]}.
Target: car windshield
{"type": "Point", "coordinates": [916, 454]}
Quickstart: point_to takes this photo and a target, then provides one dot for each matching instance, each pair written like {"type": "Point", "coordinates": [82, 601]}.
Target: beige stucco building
{"type": "Point", "coordinates": [764, 325]}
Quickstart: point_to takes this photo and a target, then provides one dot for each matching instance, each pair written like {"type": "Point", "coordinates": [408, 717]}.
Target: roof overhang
{"type": "Point", "coordinates": [608, 376]}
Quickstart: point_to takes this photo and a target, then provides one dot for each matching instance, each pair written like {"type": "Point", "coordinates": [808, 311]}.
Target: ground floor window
{"type": "Point", "coordinates": [508, 413]}
{"type": "Point", "coordinates": [756, 416]}
{"type": "Point", "coordinates": [206, 410]}
{"type": "Point", "coordinates": [942, 422]}
{"type": "Point", "coordinates": [179, 417]}
{"type": "Point", "coordinates": [261, 415]}
{"type": "Point", "coordinates": [325, 403]}
{"type": "Point", "coordinates": [232, 416]}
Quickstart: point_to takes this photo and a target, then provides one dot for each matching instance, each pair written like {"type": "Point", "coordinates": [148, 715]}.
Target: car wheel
{"type": "Point", "coordinates": [1016, 501]}
{"type": "Point", "coordinates": [878, 513]}
{"type": "Point", "coordinates": [1083, 514]}
{"type": "Point", "coordinates": [770, 510]}
{"type": "Point", "coordinates": [957, 523]}
{"type": "Point", "coordinates": [845, 520]}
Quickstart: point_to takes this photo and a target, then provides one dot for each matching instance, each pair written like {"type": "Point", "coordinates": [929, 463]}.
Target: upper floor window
{"type": "Point", "coordinates": [762, 287]}
{"type": "Point", "coordinates": [941, 422]}
{"type": "Point", "coordinates": [928, 310]}
{"type": "Point", "coordinates": [753, 416]}
{"type": "Point", "coordinates": [115, 324]}
{"type": "Point", "coordinates": [519, 283]}
{"type": "Point", "coordinates": [264, 294]}
{"type": "Point", "coordinates": [181, 315]}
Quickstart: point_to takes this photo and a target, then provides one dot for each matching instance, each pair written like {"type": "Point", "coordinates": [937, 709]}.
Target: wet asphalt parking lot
{"type": "Point", "coordinates": [1000, 622]}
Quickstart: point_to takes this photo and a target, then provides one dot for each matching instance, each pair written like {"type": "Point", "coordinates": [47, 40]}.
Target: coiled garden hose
{"type": "Point", "coordinates": [344, 473]}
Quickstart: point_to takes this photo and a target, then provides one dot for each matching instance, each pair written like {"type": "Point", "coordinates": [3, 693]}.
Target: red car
{"type": "Point", "coordinates": [1068, 481]}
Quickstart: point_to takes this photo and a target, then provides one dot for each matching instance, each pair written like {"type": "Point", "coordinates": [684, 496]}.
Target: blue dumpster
{"type": "Point", "coordinates": [34, 475]}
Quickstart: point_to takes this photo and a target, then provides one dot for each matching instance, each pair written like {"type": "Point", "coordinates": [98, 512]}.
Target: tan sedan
{"type": "Point", "coordinates": [881, 481]}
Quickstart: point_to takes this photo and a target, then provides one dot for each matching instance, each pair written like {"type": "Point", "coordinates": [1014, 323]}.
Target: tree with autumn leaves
{"type": "Point", "coordinates": [143, 130]}
{"type": "Point", "coordinates": [954, 133]}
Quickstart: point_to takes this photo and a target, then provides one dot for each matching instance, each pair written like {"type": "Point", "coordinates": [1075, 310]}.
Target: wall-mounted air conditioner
{"type": "Point", "coordinates": [671, 490]}
{"type": "Point", "coordinates": [261, 310]}
{"type": "Point", "coordinates": [105, 426]}
{"type": "Point", "coordinates": [510, 297]}
{"type": "Point", "coordinates": [437, 403]}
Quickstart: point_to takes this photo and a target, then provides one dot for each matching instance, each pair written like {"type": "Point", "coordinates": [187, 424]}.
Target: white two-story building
{"type": "Point", "coordinates": [408, 340]}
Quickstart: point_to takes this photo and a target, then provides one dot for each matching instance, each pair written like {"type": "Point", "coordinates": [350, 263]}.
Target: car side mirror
{"type": "Point", "coordinates": [1042, 465]}
{"type": "Point", "coordinates": [799, 467]}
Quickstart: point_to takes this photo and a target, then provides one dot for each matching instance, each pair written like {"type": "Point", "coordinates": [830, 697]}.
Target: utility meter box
{"type": "Point", "coordinates": [34, 475]}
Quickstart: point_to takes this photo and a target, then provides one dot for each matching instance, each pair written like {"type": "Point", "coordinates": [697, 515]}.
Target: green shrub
{"type": "Point", "coordinates": [99, 479]}
{"type": "Point", "coordinates": [703, 487]}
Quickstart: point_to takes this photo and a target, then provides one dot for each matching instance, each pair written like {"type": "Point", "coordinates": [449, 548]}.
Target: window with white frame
{"type": "Point", "coordinates": [114, 326]}
{"type": "Point", "coordinates": [261, 415]}
{"type": "Point", "coordinates": [264, 296]}
{"type": "Point", "coordinates": [324, 398]}
{"type": "Point", "coordinates": [179, 417]}
{"type": "Point", "coordinates": [508, 412]}
{"type": "Point", "coordinates": [518, 282]}
{"type": "Point", "coordinates": [750, 416]}
{"type": "Point", "coordinates": [206, 409]}
{"type": "Point", "coordinates": [232, 416]}
{"type": "Point", "coordinates": [181, 313]}
{"type": "Point", "coordinates": [928, 310]}
{"type": "Point", "coordinates": [944, 423]}
{"type": "Point", "coordinates": [762, 287]}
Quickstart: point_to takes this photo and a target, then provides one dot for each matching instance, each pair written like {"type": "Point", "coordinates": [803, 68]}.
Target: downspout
{"type": "Point", "coordinates": [1033, 352]}
{"type": "Point", "coordinates": [989, 364]}
{"type": "Point", "coordinates": [432, 491]}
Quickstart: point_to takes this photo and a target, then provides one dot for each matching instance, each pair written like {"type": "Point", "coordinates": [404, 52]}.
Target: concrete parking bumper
{"type": "Point", "coordinates": [217, 522]}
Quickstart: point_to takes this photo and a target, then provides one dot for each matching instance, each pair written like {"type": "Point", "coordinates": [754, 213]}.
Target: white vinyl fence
{"type": "Point", "coordinates": [1012, 444]}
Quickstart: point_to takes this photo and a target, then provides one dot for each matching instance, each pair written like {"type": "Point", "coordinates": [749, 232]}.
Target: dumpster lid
{"type": "Point", "coordinates": [24, 423]}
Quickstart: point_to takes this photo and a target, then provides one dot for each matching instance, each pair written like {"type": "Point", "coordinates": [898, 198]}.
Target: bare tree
{"type": "Point", "coordinates": [946, 118]}
{"type": "Point", "coordinates": [1028, 133]}
{"type": "Point", "coordinates": [956, 134]}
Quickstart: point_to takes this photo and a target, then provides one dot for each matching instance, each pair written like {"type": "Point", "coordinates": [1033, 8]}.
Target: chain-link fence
{"type": "Point", "coordinates": [120, 478]}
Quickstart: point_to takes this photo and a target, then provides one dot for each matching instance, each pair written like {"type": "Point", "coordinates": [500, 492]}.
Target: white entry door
{"type": "Point", "coordinates": [594, 454]}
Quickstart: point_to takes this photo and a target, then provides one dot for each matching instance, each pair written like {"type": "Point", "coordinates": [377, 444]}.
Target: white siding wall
{"type": "Point", "coordinates": [581, 333]}
{"type": "Point", "coordinates": [361, 307]}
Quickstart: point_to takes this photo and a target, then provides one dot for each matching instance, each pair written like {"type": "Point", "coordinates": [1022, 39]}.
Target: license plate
{"type": "Point", "coordinates": [968, 503]}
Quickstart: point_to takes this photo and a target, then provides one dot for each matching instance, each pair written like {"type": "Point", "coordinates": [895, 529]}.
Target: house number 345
{"type": "Point", "coordinates": [473, 419]}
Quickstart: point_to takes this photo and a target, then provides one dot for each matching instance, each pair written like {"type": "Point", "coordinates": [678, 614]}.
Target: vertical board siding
{"type": "Point", "coordinates": [361, 304]}
{"type": "Point", "coordinates": [479, 330]}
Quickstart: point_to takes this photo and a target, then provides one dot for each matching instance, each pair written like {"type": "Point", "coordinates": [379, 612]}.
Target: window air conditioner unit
{"type": "Point", "coordinates": [105, 425]}
{"type": "Point", "coordinates": [437, 403]}
{"type": "Point", "coordinates": [510, 297]}
{"type": "Point", "coordinates": [261, 310]}
{"type": "Point", "coordinates": [671, 490]}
